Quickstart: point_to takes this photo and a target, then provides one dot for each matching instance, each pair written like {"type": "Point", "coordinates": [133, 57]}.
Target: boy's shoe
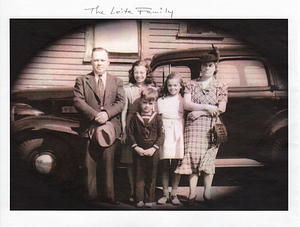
{"type": "Point", "coordinates": [140, 204]}
{"type": "Point", "coordinates": [131, 199]}
{"type": "Point", "coordinates": [162, 200]}
{"type": "Point", "coordinates": [175, 200]}
{"type": "Point", "coordinates": [149, 205]}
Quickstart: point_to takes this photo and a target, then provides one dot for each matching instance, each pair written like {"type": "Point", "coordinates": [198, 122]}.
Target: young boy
{"type": "Point", "coordinates": [146, 135]}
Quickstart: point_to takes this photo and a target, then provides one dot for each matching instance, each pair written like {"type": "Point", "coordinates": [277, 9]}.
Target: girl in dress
{"type": "Point", "coordinates": [205, 98]}
{"type": "Point", "coordinates": [171, 108]}
{"type": "Point", "coordinates": [140, 77]}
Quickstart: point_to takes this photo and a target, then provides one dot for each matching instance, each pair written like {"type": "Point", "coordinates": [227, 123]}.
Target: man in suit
{"type": "Point", "coordinates": [99, 98]}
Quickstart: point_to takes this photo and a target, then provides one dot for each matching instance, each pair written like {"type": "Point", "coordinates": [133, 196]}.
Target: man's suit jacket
{"type": "Point", "coordinates": [87, 101]}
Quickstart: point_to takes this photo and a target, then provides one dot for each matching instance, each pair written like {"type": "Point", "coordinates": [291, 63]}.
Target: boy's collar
{"type": "Point", "coordinates": [141, 118]}
{"type": "Point", "coordinates": [147, 114]}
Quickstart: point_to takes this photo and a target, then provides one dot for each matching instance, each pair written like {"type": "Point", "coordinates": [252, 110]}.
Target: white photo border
{"type": "Point", "coordinates": [194, 9]}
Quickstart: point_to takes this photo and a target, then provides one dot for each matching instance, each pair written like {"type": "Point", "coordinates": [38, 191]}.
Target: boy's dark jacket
{"type": "Point", "coordinates": [146, 135]}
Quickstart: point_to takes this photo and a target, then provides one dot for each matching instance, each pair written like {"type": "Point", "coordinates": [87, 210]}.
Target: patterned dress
{"type": "Point", "coordinates": [199, 151]}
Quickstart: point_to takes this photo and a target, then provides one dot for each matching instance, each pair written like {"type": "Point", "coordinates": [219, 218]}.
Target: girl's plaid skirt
{"type": "Point", "coordinates": [199, 151]}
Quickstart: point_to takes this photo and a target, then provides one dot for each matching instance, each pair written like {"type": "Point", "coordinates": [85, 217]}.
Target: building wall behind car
{"type": "Point", "coordinates": [165, 35]}
{"type": "Point", "coordinates": [57, 65]}
{"type": "Point", "coordinates": [65, 58]}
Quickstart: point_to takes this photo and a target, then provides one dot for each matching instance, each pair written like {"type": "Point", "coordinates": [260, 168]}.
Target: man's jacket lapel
{"type": "Point", "coordinates": [91, 82]}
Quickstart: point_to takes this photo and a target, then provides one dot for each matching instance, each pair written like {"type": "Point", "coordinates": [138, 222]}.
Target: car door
{"type": "Point", "coordinates": [251, 103]}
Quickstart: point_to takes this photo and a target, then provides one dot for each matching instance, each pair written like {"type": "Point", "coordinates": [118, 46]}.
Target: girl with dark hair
{"type": "Point", "coordinates": [140, 77]}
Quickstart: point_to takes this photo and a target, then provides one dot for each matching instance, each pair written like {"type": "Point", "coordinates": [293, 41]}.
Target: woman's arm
{"type": "Point", "coordinates": [198, 113]}
{"type": "Point", "coordinates": [189, 105]}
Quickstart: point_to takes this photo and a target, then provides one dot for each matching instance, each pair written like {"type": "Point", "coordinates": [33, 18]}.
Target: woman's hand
{"type": "Point", "coordinates": [212, 110]}
{"type": "Point", "coordinates": [196, 114]}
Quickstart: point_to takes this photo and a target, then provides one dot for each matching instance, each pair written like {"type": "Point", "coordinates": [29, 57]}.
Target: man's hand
{"type": "Point", "coordinates": [124, 138]}
{"type": "Point", "coordinates": [150, 151]}
{"type": "Point", "coordinates": [101, 117]}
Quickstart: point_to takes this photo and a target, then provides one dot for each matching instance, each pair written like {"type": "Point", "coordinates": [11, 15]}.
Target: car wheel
{"type": "Point", "coordinates": [279, 149]}
{"type": "Point", "coordinates": [49, 158]}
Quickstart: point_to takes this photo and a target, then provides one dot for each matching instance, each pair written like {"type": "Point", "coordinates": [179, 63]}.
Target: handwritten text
{"type": "Point", "coordinates": [141, 11]}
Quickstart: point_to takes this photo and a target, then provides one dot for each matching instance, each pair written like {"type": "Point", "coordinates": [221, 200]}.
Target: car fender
{"type": "Point", "coordinates": [276, 123]}
{"type": "Point", "coordinates": [52, 123]}
{"type": "Point", "coordinates": [23, 109]}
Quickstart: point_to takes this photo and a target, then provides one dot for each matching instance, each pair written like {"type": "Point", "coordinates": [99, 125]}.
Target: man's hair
{"type": "Point", "coordinates": [99, 49]}
{"type": "Point", "coordinates": [149, 94]}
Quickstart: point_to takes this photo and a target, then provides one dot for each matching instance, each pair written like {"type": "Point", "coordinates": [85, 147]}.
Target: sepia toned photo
{"type": "Point", "coordinates": [149, 114]}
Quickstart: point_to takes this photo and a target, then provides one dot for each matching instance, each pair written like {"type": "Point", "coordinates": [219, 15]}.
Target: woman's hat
{"type": "Point", "coordinates": [104, 134]}
{"type": "Point", "coordinates": [211, 56]}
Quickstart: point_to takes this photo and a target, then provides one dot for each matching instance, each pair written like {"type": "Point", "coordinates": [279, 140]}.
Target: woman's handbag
{"type": "Point", "coordinates": [219, 132]}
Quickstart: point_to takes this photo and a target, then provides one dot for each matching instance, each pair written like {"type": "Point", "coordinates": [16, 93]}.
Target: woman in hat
{"type": "Point", "coordinates": [205, 98]}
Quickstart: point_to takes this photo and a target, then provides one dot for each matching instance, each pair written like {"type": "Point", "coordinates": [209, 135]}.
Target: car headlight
{"type": "Point", "coordinates": [44, 163]}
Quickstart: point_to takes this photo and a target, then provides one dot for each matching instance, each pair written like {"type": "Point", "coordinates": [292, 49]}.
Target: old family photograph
{"type": "Point", "coordinates": [149, 114]}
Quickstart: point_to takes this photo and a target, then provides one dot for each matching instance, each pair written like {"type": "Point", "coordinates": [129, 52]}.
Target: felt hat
{"type": "Point", "coordinates": [105, 134]}
{"type": "Point", "coordinates": [211, 56]}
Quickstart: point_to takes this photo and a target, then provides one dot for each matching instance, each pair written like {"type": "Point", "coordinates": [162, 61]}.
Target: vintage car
{"type": "Point", "coordinates": [43, 133]}
{"type": "Point", "coordinates": [44, 123]}
{"type": "Point", "coordinates": [257, 114]}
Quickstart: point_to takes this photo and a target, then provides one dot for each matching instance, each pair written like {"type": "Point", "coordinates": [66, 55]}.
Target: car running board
{"type": "Point", "coordinates": [237, 162]}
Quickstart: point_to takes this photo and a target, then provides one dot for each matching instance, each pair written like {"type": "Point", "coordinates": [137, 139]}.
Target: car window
{"type": "Point", "coordinates": [160, 74]}
{"type": "Point", "coordinates": [68, 109]}
{"type": "Point", "coordinates": [242, 73]}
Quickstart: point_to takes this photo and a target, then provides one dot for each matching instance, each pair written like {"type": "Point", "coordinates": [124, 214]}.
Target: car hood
{"type": "Point", "coordinates": [42, 94]}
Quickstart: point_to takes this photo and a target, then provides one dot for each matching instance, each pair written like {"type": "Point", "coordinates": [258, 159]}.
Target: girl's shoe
{"type": "Point", "coordinates": [162, 200]}
{"type": "Point", "coordinates": [175, 200]}
{"type": "Point", "coordinates": [207, 201]}
{"type": "Point", "coordinates": [191, 202]}
{"type": "Point", "coordinates": [140, 204]}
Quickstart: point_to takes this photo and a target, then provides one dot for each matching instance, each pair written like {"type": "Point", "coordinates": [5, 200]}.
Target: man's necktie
{"type": "Point", "coordinates": [101, 88]}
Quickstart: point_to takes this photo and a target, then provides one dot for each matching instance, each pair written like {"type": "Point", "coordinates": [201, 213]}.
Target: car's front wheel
{"type": "Point", "coordinates": [50, 158]}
